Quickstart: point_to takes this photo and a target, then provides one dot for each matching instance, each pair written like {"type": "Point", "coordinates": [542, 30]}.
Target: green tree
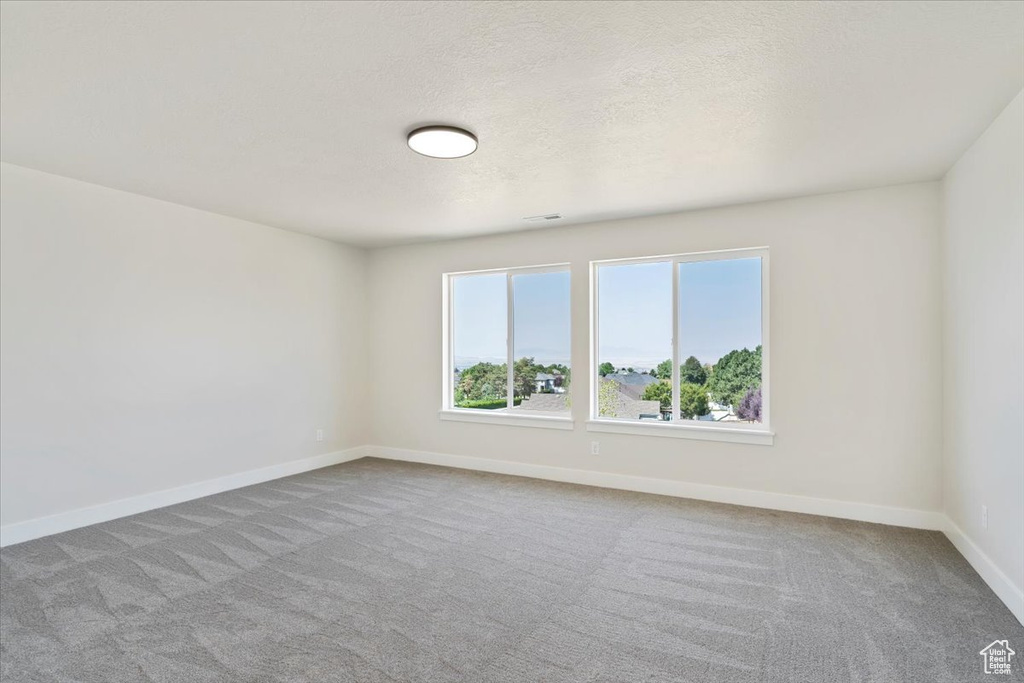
{"type": "Point", "coordinates": [659, 391]}
{"type": "Point", "coordinates": [480, 382]}
{"type": "Point", "coordinates": [664, 370]}
{"type": "Point", "coordinates": [693, 400]}
{"type": "Point", "coordinates": [607, 398]}
{"type": "Point", "coordinates": [734, 374]}
{"type": "Point", "coordinates": [605, 369]}
{"type": "Point", "coordinates": [524, 376]}
{"type": "Point", "coordinates": [692, 372]}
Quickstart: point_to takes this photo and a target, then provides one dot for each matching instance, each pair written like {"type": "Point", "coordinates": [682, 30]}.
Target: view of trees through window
{"type": "Point", "coordinates": [718, 340]}
{"type": "Point", "coordinates": [523, 370]}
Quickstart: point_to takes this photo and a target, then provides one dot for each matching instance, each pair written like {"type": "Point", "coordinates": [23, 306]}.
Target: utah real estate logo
{"type": "Point", "coordinates": [997, 657]}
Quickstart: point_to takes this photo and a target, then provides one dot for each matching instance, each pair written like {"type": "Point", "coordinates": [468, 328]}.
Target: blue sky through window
{"type": "Point", "coordinates": [720, 310]}
{"type": "Point", "coordinates": [635, 316]}
{"type": "Point", "coordinates": [542, 317]}
{"type": "Point", "coordinates": [480, 309]}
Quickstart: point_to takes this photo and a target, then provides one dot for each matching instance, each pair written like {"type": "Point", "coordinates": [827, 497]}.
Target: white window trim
{"type": "Point", "coordinates": [448, 410]}
{"type": "Point", "coordinates": [491, 417]}
{"type": "Point", "coordinates": [679, 431]}
{"type": "Point", "coordinates": [761, 434]}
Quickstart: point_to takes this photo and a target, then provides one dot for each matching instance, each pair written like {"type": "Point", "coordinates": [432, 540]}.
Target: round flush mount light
{"type": "Point", "coordinates": [442, 142]}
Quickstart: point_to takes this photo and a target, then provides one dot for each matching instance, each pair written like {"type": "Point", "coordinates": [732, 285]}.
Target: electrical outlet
{"type": "Point", "coordinates": [319, 435]}
{"type": "Point", "coordinates": [595, 448]}
{"type": "Point", "coordinates": [984, 516]}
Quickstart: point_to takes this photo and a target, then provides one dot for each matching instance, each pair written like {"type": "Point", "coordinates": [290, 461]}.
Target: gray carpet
{"type": "Point", "coordinates": [383, 571]}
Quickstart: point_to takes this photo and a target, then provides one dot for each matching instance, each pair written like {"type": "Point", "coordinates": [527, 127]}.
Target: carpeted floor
{"type": "Point", "coordinates": [384, 571]}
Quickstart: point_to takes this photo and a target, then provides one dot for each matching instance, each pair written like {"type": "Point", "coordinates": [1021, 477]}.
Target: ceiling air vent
{"type": "Point", "coordinates": [545, 217]}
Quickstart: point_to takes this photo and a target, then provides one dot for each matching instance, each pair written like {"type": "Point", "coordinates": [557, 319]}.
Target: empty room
{"type": "Point", "coordinates": [501, 342]}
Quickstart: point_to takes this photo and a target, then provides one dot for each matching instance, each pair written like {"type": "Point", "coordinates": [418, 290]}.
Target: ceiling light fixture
{"type": "Point", "coordinates": [442, 142]}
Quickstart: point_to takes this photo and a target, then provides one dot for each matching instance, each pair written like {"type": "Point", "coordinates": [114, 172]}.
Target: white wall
{"type": "Point", "coordinates": [856, 358]}
{"type": "Point", "coordinates": [145, 345]}
{"type": "Point", "coordinates": [983, 267]}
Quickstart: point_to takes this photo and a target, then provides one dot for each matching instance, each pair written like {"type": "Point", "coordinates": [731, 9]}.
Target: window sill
{"type": "Point", "coordinates": [490, 417]}
{"type": "Point", "coordinates": [731, 434]}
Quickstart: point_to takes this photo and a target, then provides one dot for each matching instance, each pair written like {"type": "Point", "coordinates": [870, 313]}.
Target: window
{"type": "Point", "coordinates": [507, 353]}
{"type": "Point", "coordinates": [680, 345]}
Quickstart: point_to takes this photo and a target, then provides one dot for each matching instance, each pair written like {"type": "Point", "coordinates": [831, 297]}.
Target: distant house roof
{"type": "Point", "coordinates": [632, 408]}
{"type": "Point", "coordinates": [632, 384]}
{"type": "Point", "coordinates": [625, 405]}
{"type": "Point", "coordinates": [543, 376]}
{"type": "Point", "coordinates": [632, 378]}
{"type": "Point", "coordinates": [548, 403]}
{"type": "Point", "coordinates": [646, 408]}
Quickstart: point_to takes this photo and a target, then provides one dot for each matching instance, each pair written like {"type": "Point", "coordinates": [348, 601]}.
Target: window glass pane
{"type": "Point", "coordinates": [541, 331]}
{"type": "Point", "coordinates": [479, 348]}
{"type": "Point", "coordinates": [634, 337]}
{"type": "Point", "coordinates": [720, 340]}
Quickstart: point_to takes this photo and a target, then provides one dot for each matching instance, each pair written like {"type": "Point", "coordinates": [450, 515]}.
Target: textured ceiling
{"type": "Point", "coordinates": [295, 114]}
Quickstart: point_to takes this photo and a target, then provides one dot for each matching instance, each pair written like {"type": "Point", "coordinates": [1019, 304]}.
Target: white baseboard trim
{"type": "Point", "coordinates": [998, 581]}
{"type": "Point", "coordinates": [1011, 594]}
{"type": "Point", "coordinates": [1001, 584]}
{"type": "Point", "coordinates": [19, 532]}
{"type": "Point", "coordinates": [862, 512]}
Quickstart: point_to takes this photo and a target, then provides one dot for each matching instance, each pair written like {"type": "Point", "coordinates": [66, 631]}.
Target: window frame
{"type": "Point", "coordinates": [448, 409]}
{"type": "Point", "coordinates": [760, 434]}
